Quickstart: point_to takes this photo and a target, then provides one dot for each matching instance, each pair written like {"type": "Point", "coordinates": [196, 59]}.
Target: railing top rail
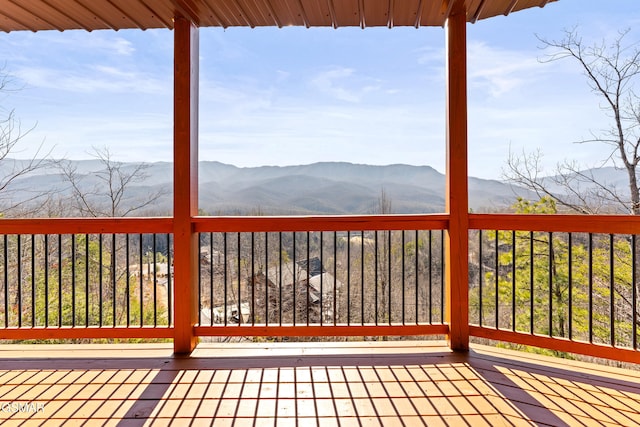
{"type": "Point", "coordinates": [321, 223]}
{"type": "Point", "coordinates": [605, 224]}
{"type": "Point", "coordinates": [86, 225]}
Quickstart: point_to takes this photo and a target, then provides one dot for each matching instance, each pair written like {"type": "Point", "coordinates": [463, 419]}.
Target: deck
{"type": "Point", "coordinates": [304, 384]}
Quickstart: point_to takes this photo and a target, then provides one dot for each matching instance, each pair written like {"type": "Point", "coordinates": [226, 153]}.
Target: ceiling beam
{"type": "Point", "coordinates": [303, 14]}
{"type": "Point", "coordinates": [33, 12]}
{"type": "Point", "coordinates": [272, 12]}
{"type": "Point", "coordinates": [182, 8]}
{"type": "Point", "coordinates": [168, 24]}
{"type": "Point", "coordinates": [127, 15]}
{"type": "Point", "coordinates": [66, 15]}
{"type": "Point", "coordinates": [446, 8]}
{"type": "Point", "coordinates": [510, 8]}
{"type": "Point", "coordinates": [98, 17]}
{"type": "Point", "coordinates": [332, 13]}
{"type": "Point", "coordinates": [478, 12]}
{"type": "Point", "coordinates": [214, 14]}
{"type": "Point", "coordinates": [419, 13]}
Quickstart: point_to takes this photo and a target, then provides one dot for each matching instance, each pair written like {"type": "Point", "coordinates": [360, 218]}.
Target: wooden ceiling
{"type": "Point", "coordinates": [38, 15]}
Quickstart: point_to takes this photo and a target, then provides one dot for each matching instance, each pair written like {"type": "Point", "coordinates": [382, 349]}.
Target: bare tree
{"type": "Point", "coordinates": [110, 196]}
{"type": "Point", "coordinates": [11, 169]}
{"type": "Point", "coordinates": [611, 71]}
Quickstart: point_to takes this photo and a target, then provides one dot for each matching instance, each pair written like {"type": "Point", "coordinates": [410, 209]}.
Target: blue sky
{"type": "Point", "coordinates": [295, 96]}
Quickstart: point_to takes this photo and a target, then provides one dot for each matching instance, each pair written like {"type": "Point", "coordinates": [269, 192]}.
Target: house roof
{"type": "Point", "coordinates": [37, 15]}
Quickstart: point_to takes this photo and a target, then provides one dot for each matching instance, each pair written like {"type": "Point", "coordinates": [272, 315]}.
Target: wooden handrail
{"type": "Point", "coordinates": [86, 225]}
{"type": "Point", "coordinates": [321, 223]}
{"type": "Point", "coordinates": [606, 224]}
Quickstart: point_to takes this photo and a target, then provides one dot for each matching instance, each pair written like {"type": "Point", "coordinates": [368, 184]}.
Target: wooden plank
{"type": "Point", "coordinates": [321, 223]}
{"type": "Point", "coordinates": [616, 224]}
{"type": "Point", "coordinates": [86, 225]}
{"type": "Point", "coordinates": [185, 179]}
{"type": "Point", "coordinates": [457, 204]}
{"type": "Point", "coordinates": [321, 331]}
{"type": "Point", "coordinates": [385, 383]}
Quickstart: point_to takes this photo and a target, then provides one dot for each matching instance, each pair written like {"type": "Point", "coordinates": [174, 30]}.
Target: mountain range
{"type": "Point", "coordinates": [319, 188]}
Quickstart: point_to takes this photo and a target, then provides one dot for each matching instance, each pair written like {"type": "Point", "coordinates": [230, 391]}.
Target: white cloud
{"type": "Point", "coordinates": [429, 55]}
{"type": "Point", "coordinates": [97, 43]}
{"type": "Point", "coordinates": [498, 71]}
{"type": "Point", "coordinates": [90, 79]}
{"type": "Point", "coordinates": [343, 84]}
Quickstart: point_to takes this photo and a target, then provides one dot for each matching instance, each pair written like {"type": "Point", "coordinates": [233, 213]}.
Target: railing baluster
{"type": "Point", "coordinates": [612, 300]}
{"type": "Point", "coordinates": [570, 284]}
{"type": "Point", "coordinates": [199, 252]}
{"type": "Point", "coordinates": [73, 280]}
{"type": "Point", "coordinates": [86, 280]}
{"type": "Point", "coordinates": [513, 281]}
{"type": "Point", "coordinates": [308, 287]}
{"type": "Point", "coordinates": [19, 277]}
{"type": "Point", "coordinates": [113, 278]}
{"type": "Point", "coordinates": [497, 267]}
{"type": "Point", "coordinates": [128, 281]}
{"type": "Point", "coordinates": [267, 305]}
{"type": "Point", "coordinates": [33, 281]}
{"type": "Point", "coordinates": [226, 278]}
{"type": "Point", "coordinates": [348, 277]}
{"type": "Point", "coordinates": [211, 274]}
{"type": "Point", "coordinates": [531, 283]}
{"type": "Point", "coordinates": [375, 281]}
{"type": "Point", "coordinates": [590, 281]}
{"type": "Point", "coordinates": [403, 283]}
{"type": "Point", "coordinates": [480, 280]}
{"type": "Point", "coordinates": [5, 250]}
{"type": "Point", "coordinates": [252, 279]}
{"type": "Point", "coordinates": [293, 285]}
{"type": "Point", "coordinates": [239, 299]}
{"type": "Point", "coordinates": [388, 255]}
{"type": "Point", "coordinates": [140, 262]}
{"type": "Point", "coordinates": [416, 252]}
{"type": "Point", "coordinates": [430, 272]}
{"type": "Point", "coordinates": [634, 293]}
{"type": "Point", "coordinates": [59, 280]}
{"type": "Point", "coordinates": [335, 278]}
{"type": "Point", "coordinates": [169, 282]}
{"type": "Point", "coordinates": [321, 278]}
{"type": "Point", "coordinates": [100, 265]}
{"type": "Point", "coordinates": [362, 288]}
{"type": "Point", "coordinates": [442, 267]}
{"type": "Point", "coordinates": [551, 268]}
{"type": "Point", "coordinates": [155, 280]}
{"type": "Point", "coordinates": [280, 277]}
{"type": "Point", "coordinates": [46, 280]}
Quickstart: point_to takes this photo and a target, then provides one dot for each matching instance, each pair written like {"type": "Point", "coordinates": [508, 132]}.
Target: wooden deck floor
{"type": "Point", "coordinates": [357, 384]}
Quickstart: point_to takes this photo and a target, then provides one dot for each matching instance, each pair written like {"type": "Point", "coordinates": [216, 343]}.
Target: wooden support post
{"type": "Point", "coordinates": [457, 203]}
{"type": "Point", "coordinates": [185, 184]}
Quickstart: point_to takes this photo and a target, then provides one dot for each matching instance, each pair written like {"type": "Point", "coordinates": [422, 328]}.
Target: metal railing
{"type": "Point", "coordinates": [85, 284]}
{"type": "Point", "coordinates": [564, 283]}
{"type": "Point", "coordinates": [321, 276]}
{"type": "Point", "coordinates": [561, 284]}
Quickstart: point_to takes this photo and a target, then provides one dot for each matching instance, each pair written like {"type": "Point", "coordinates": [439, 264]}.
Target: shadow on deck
{"type": "Point", "coordinates": [329, 384]}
